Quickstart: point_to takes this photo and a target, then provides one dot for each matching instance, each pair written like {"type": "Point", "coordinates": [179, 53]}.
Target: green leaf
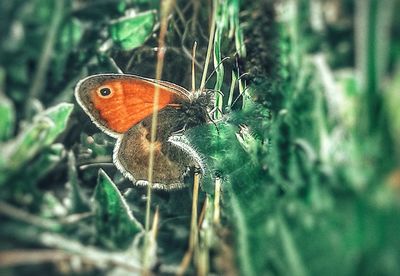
{"type": "Point", "coordinates": [76, 200]}
{"type": "Point", "coordinates": [391, 101]}
{"type": "Point", "coordinates": [42, 165]}
{"type": "Point", "coordinates": [131, 32]}
{"type": "Point", "coordinates": [52, 206]}
{"type": "Point", "coordinates": [115, 224]}
{"type": "Point", "coordinates": [71, 34]}
{"type": "Point", "coordinates": [22, 185]}
{"type": "Point", "coordinates": [58, 115]}
{"type": "Point", "coordinates": [99, 144]}
{"type": "Point", "coordinates": [7, 115]}
{"type": "Point", "coordinates": [45, 129]}
{"type": "Point", "coordinates": [7, 112]}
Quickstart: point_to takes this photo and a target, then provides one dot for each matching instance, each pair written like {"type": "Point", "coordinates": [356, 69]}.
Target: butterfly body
{"type": "Point", "coordinates": [121, 105]}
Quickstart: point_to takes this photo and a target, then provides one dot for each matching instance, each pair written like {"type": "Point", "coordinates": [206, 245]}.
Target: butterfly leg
{"type": "Point", "coordinates": [180, 131]}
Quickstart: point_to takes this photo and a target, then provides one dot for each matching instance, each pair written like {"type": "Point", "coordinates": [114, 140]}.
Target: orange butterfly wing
{"type": "Point", "coordinates": [130, 101]}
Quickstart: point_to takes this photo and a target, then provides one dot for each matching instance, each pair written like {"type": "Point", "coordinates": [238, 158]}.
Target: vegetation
{"type": "Point", "coordinates": [303, 155]}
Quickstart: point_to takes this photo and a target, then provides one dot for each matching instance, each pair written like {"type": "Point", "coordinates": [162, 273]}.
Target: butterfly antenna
{"type": "Point", "coordinates": [217, 91]}
{"type": "Point", "coordinates": [238, 80]}
{"type": "Point", "coordinates": [180, 131]}
{"type": "Point", "coordinates": [193, 67]}
{"type": "Point", "coordinates": [237, 70]}
{"type": "Point", "coordinates": [243, 75]}
{"type": "Point", "coordinates": [241, 94]}
{"type": "Point", "coordinates": [214, 123]}
{"type": "Point", "coordinates": [215, 69]}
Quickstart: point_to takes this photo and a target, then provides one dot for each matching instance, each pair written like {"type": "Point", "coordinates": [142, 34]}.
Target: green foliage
{"type": "Point", "coordinates": [77, 200]}
{"type": "Point", "coordinates": [299, 215]}
{"type": "Point", "coordinates": [114, 223]}
{"type": "Point", "coordinates": [33, 139]}
{"type": "Point", "coordinates": [131, 32]}
{"type": "Point", "coordinates": [304, 138]}
{"type": "Point", "coordinates": [7, 114]}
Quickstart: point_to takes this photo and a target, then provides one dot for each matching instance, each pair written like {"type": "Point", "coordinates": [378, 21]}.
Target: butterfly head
{"type": "Point", "coordinates": [197, 110]}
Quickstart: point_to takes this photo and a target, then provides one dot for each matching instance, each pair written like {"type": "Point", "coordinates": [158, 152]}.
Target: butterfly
{"type": "Point", "coordinates": [121, 105]}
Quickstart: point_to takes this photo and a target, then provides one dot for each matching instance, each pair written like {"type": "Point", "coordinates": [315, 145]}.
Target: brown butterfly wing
{"type": "Point", "coordinates": [131, 101]}
{"type": "Point", "coordinates": [172, 163]}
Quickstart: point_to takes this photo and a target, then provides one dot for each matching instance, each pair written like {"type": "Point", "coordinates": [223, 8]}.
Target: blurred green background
{"type": "Point", "coordinates": [306, 146]}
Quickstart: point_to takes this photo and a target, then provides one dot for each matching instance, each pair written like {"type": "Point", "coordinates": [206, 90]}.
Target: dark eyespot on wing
{"type": "Point", "coordinates": [105, 91]}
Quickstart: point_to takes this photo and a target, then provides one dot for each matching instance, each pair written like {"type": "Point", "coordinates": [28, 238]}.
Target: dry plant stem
{"type": "Point", "coordinates": [196, 8]}
{"type": "Point", "coordinates": [241, 92]}
{"type": "Point", "coordinates": [203, 212]}
{"type": "Point", "coordinates": [160, 64]}
{"type": "Point", "coordinates": [115, 66]}
{"type": "Point", "coordinates": [184, 263]}
{"type": "Point", "coordinates": [21, 215]}
{"type": "Point", "coordinates": [209, 48]}
{"type": "Point", "coordinates": [193, 224]}
{"type": "Point", "coordinates": [165, 10]}
{"type": "Point", "coordinates": [231, 90]}
{"type": "Point", "coordinates": [202, 261]}
{"type": "Point", "coordinates": [102, 165]}
{"type": "Point", "coordinates": [154, 229]}
{"type": "Point", "coordinates": [89, 254]}
{"type": "Point", "coordinates": [74, 218]}
{"type": "Point", "coordinates": [180, 15]}
{"type": "Point", "coordinates": [217, 195]}
{"type": "Point", "coordinates": [193, 238]}
{"type": "Point", "coordinates": [40, 74]}
{"type": "Point", "coordinates": [193, 66]}
{"type": "Point", "coordinates": [66, 248]}
{"type": "Point", "coordinates": [31, 256]}
{"type": "Point", "coordinates": [201, 251]}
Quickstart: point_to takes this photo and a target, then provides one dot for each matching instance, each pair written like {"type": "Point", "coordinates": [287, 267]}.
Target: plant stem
{"type": "Point", "coordinates": [39, 78]}
{"type": "Point", "coordinates": [209, 48]}
{"type": "Point", "coordinates": [165, 10]}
